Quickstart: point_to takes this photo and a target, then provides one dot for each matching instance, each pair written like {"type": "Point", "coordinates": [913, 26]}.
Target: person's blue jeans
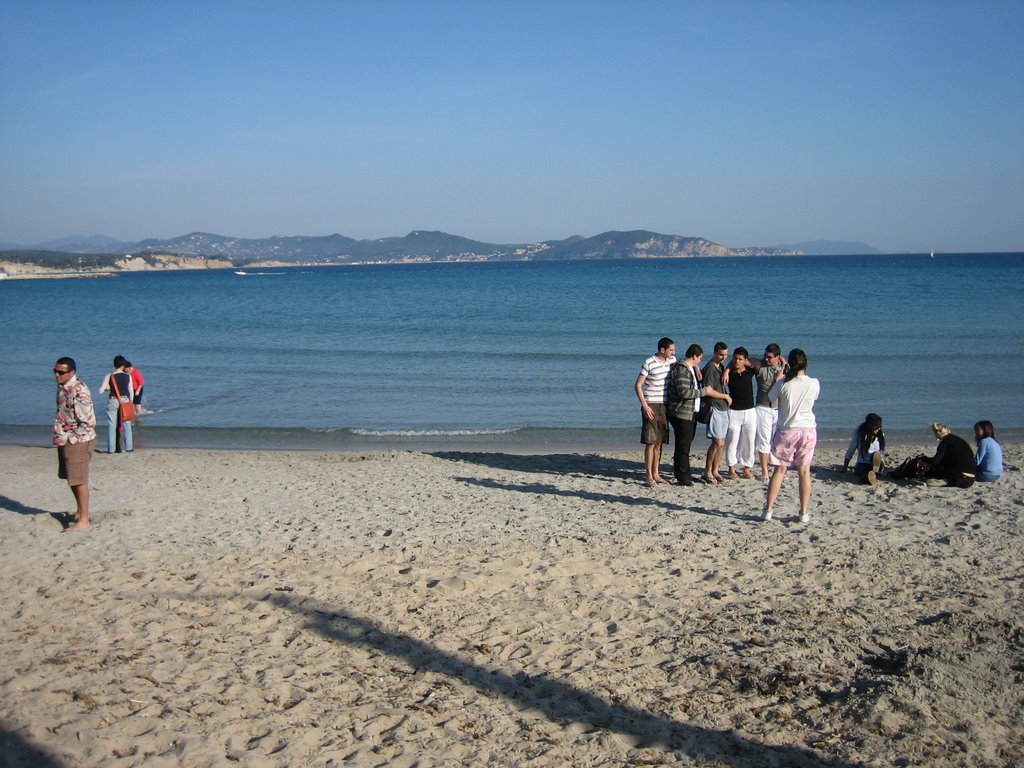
{"type": "Point", "coordinates": [987, 477]}
{"type": "Point", "coordinates": [112, 410]}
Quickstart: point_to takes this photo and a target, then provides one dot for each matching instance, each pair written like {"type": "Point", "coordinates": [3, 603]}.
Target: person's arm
{"type": "Point", "coordinates": [776, 390]}
{"type": "Point", "coordinates": [982, 453]}
{"type": "Point", "coordinates": [648, 413]}
{"type": "Point", "coordinates": [106, 383]}
{"type": "Point", "coordinates": [85, 415]}
{"type": "Point", "coordinates": [714, 394]}
{"type": "Point", "coordinates": [854, 445]}
{"type": "Point", "coordinates": [682, 384]}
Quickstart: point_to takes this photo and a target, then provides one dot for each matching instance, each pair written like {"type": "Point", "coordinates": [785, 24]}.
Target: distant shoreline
{"type": "Point", "coordinates": [17, 270]}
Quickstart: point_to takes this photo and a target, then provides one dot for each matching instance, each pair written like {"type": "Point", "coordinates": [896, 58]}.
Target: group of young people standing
{"type": "Point", "coordinates": [754, 406]}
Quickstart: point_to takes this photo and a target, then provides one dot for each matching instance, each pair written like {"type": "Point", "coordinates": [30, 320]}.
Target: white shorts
{"type": "Point", "coordinates": [767, 421]}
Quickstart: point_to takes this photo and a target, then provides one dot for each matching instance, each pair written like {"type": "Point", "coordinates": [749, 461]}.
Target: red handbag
{"type": "Point", "coordinates": [127, 409]}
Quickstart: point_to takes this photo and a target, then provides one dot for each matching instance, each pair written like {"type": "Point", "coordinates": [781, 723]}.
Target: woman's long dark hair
{"type": "Point", "coordinates": [986, 429]}
{"type": "Point", "coordinates": [866, 436]}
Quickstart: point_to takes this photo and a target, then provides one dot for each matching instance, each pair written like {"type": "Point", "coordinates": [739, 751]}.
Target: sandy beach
{"type": "Point", "coordinates": [415, 609]}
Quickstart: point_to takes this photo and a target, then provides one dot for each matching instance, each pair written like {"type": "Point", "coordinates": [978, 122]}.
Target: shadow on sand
{"type": "Point", "coordinates": [16, 752]}
{"type": "Point", "coordinates": [13, 505]}
{"type": "Point", "coordinates": [574, 464]}
{"type": "Point", "coordinates": [557, 700]}
{"type": "Point", "coordinates": [613, 498]}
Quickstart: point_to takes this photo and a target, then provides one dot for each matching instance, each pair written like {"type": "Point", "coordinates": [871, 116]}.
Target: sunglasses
{"type": "Point", "coordinates": [61, 373]}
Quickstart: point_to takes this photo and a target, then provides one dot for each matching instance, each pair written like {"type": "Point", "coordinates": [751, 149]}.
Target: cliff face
{"type": "Point", "coordinates": [638, 244]}
{"type": "Point", "coordinates": [159, 261]}
{"type": "Point", "coordinates": [108, 267]}
{"type": "Point", "coordinates": [662, 247]}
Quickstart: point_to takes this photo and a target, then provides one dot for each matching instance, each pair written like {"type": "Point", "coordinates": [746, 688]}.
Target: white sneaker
{"type": "Point", "coordinates": [805, 518]}
{"type": "Point", "coordinates": [766, 514]}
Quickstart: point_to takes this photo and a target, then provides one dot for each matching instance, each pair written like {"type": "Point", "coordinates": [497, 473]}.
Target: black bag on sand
{"type": "Point", "coordinates": [911, 469]}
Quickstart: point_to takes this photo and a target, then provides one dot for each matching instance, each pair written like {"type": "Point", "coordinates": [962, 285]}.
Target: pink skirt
{"type": "Point", "coordinates": [794, 447]}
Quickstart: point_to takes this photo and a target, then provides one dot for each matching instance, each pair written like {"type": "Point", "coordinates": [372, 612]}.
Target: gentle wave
{"type": "Point", "coordinates": [428, 432]}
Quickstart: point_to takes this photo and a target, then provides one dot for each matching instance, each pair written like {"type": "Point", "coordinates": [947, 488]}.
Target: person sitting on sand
{"type": "Point", "coordinates": [868, 442]}
{"type": "Point", "coordinates": [990, 453]}
{"type": "Point", "coordinates": [953, 461]}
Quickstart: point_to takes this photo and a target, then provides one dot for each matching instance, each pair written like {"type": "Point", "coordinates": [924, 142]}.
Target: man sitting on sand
{"type": "Point", "coordinates": [74, 434]}
{"type": "Point", "coordinates": [652, 390]}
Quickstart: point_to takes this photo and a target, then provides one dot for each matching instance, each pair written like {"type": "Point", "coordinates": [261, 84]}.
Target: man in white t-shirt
{"type": "Point", "coordinates": [652, 390]}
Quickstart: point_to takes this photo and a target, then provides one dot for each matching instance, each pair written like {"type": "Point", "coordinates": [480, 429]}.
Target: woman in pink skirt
{"type": "Point", "coordinates": [794, 441]}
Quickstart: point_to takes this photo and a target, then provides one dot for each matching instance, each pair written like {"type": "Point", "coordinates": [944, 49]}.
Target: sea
{"type": "Point", "coordinates": [523, 356]}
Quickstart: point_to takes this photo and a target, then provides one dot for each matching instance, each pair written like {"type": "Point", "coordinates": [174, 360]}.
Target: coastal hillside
{"type": "Point", "coordinates": [201, 250]}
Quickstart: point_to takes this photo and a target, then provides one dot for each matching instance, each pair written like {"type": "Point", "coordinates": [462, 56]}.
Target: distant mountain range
{"type": "Point", "coordinates": [421, 246]}
{"type": "Point", "coordinates": [831, 248]}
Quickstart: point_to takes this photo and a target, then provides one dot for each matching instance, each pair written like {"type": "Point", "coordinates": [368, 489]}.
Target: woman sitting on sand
{"type": "Point", "coordinates": [990, 452]}
{"type": "Point", "coordinates": [953, 461]}
{"type": "Point", "coordinates": [868, 443]}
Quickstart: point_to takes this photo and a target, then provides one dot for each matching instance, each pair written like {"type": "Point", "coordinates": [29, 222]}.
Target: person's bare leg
{"type": "Point", "coordinates": [649, 463]}
{"type": "Point", "coordinates": [774, 486]}
{"type": "Point", "coordinates": [81, 493]}
{"type": "Point", "coordinates": [805, 491]}
{"type": "Point", "coordinates": [657, 465]}
{"type": "Point", "coordinates": [718, 453]}
{"type": "Point", "coordinates": [764, 466]}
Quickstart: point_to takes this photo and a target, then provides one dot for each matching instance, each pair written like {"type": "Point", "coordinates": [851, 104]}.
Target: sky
{"type": "Point", "coordinates": [900, 125]}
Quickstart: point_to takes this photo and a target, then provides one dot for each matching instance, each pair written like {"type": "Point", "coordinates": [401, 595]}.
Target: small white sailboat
{"type": "Point", "coordinates": [933, 253]}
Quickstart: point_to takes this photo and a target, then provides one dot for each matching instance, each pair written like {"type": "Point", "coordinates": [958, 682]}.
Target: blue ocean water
{"type": "Point", "coordinates": [514, 354]}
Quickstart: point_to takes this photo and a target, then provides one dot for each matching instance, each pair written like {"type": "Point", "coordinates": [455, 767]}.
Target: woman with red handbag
{"type": "Point", "coordinates": [120, 411]}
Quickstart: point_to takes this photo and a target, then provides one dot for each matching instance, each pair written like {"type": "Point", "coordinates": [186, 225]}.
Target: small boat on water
{"type": "Point", "coordinates": [243, 272]}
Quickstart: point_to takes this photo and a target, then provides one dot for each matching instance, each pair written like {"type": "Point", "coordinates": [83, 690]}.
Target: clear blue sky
{"type": "Point", "coordinates": [900, 124]}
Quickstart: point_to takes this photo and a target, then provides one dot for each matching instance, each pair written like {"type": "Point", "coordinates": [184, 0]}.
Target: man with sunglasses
{"type": "Point", "coordinates": [74, 434]}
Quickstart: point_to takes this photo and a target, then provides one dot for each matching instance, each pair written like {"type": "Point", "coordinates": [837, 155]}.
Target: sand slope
{"type": "Point", "coordinates": [400, 609]}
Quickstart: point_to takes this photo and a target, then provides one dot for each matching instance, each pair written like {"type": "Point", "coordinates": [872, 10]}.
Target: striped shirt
{"type": "Point", "coordinates": [656, 372]}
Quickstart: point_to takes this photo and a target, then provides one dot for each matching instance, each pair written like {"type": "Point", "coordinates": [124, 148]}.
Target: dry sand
{"type": "Point", "coordinates": [401, 609]}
